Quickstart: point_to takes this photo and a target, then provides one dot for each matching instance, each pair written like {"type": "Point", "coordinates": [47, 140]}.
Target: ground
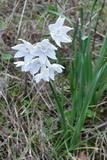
{"type": "Point", "coordinates": [29, 122]}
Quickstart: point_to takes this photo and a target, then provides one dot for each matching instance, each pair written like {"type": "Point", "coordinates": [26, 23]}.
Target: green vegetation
{"type": "Point", "coordinates": [66, 118]}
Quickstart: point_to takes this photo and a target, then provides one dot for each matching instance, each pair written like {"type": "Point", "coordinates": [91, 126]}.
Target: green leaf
{"type": "Point", "coordinates": [60, 107]}
{"type": "Point", "coordinates": [90, 113]}
{"type": "Point", "coordinates": [59, 14]}
{"type": "Point", "coordinates": [6, 56]}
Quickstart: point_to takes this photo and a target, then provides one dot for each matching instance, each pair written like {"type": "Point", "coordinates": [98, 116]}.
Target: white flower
{"type": "Point", "coordinates": [54, 68]}
{"type": "Point", "coordinates": [34, 66]}
{"type": "Point", "coordinates": [43, 75]}
{"type": "Point", "coordinates": [45, 49]}
{"type": "Point", "coordinates": [47, 72]}
{"type": "Point", "coordinates": [21, 64]}
{"type": "Point", "coordinates": [24, 50]}
{"type": "Point", "coordinates": [59, 32]}
{"type": "Point", "coordinates": [36, 60]}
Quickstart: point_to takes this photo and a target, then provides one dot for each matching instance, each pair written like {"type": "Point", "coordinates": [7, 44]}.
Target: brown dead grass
{"type": "Point", "coordinates": [24, 134]}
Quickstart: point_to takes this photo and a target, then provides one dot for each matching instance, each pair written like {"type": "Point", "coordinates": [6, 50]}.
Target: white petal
{"type": "Point", "coordinates": [51, 74]}
{"type": "Point", "coordinates": [18, 47]}
{"type": "Point", "coordinates": [43, 59]}
{"type": "Point", "coordinates": [37, 78]}
{"type": "Point", "coordinates": [34, 68]}
{"type": "Point", "coordinates": [58, 43]}
{"type": "Point", "coordinates": [52, 27]}
{"type": "Point", "coordinates": [31, 49]}
{"type": "Point", "coordinates": [57, 67]}
{"type": "Point", "coordinates": [19, 63]}
{"type": "Point", "coordinates": [66, 38]}
{"type": "Point", "coordinates": [59, 22]}
{"type": "Point", "coordinates": [45, 41]}
{"type": "Point", "coordinates": [65, 29]}
{"type": "Point", "coordinates": [45, 75]}
{"type": "Point", "coordinates": [19, 54]}
{"type": "Point", "coordinates": [23, 68]}
{"type": "Point", "coordinates": [46, 78]}
{"type": "Point", "coordinates": [51, 54]}
{"type": "Point", "coordinates": [47, 63]}
{"type": "Point", "coordinates": [27, 45]}
{"type": "Point", "coordinates": [25, 42]}
{"type": "Point", "coordinates": [28, 58]}
{"type": "Point", "coordinates": [35, 51]}
{"type": "Point", "coordinates": [57, 39]}
{"type": "Point", "coordinates": [51, 46]}
{"type": "Point", "coordinates": [36, 60]}
{"type": "Point", "coordinates": [52, 35]}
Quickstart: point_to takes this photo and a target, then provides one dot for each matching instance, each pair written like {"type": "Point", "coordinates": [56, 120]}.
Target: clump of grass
{"type": "Point", "coordinates": [33, 125]}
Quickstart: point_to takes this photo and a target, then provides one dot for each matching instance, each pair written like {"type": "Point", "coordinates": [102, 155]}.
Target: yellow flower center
{"type": "Point", "coordinates": [43, 47]}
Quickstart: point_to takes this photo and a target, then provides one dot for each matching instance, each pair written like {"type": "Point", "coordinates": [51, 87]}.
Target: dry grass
{"type": "Point", "coordinates": [29, 123]}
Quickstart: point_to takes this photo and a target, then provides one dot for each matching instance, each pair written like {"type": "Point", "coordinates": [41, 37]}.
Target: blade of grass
{"type": "Point", "coordinates": [59, 14]}
{"type": "Point", "coordinates": [88, 60]}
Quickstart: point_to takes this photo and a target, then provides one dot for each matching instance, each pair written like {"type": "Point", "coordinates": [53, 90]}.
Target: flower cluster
{"type": "Point", "coordinates": [36, 57]}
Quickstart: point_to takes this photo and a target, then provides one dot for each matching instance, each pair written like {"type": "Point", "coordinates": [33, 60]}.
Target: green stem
{"type": "Point", "coordinates": [60, 109]}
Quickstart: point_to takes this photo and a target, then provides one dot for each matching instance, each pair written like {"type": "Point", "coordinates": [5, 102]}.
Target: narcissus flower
{"type": "Point", "coordinates": [36, 58]}
{"type": "Point", "coordinates": [47, 72]}
{"type": "Point", "coordinates": [45, 49]}
{"type": "Point", "coordinates": [21, 64]}
{"type": "Point", "coordinates": [43, 75]}
{"type": "Point", "coordinates": [24, 50]}
{"type": "Point", "coordinates": [59, 32]}
{"type": "Point", "coordinates": [40, 71]}
{"type": "Point", "coordinates": [34, 66]}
